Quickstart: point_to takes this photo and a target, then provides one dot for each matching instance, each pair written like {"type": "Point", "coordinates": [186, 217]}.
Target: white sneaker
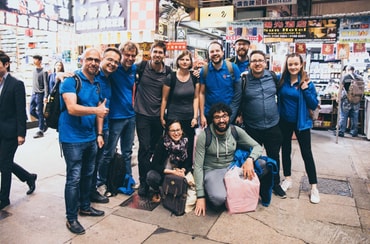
{"type": "Point", "coordinates": [315, 197]}
{"type": "Point", "coordinates": [136, 186]}
{"type": "Point", "coordinates": [286, 184]}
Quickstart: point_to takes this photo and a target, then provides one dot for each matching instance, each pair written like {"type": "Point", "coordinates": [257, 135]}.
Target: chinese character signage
{"type": "Point", "coordinates": [262, 3]}
{"type": "Point", "coordinates": [95, 16]}
{"type": "Point", "coordinates": [314, 30]}
{"type": "Point", "coordinates": [355, 29]}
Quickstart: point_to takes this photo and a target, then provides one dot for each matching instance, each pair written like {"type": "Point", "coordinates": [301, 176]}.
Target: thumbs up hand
{"type": "Point", "coordinates": [102, 110]}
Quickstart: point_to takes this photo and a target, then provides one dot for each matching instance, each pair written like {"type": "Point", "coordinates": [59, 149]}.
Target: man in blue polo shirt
{"type": "Point", "coordinates": [80, 127]}
{"type": "Point", "coordinates": [219, 86]}
{"type": "Point", "coordinates": [121, 112]}
{"type": "Point", "coordinates": [109, 65]}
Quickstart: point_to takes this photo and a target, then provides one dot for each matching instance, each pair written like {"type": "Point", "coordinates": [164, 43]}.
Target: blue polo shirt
{"type": "Point", "coordinates": [78, 129]}
{"type": "Point", "coordinates": [121, 106]}
{"type": "Point", "coordinates": [219, 85]}
{"type": "Point", "coordinates": [105, 91]}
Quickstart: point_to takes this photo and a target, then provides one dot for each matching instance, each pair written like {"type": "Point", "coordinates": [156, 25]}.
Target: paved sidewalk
{"type": "Point", "coordinates": [342, 216]}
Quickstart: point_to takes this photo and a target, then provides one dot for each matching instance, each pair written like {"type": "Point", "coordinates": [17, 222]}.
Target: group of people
{"type": "Point", "coordinates": [165, 107]}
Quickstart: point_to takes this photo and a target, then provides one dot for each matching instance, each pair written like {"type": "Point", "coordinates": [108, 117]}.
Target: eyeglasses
{"type": "Point", "coordinates": [96, 60]}
{"type": "Point", "coordinates": [224, 116]}
{"type": "Point", "coordinates": [258, 61]}
{"type": "Point", "coordinates": [112, 61]}
{"type": "Point", "coordinates": [175, 131]}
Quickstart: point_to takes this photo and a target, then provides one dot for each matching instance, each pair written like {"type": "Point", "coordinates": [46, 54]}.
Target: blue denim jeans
{"type": "Point", "coordinates": [123, 130]}
{"type": "Point", "coordinates": [80, 161]}
{"type": "Point", "coordinates": [99, 162]}
{"type": "Point", "coordinates": [349, 110]}
{"type": "Point", "coordinates": [37, 109]}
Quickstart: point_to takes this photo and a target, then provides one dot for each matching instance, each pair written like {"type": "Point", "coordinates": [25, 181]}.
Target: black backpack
{"type": "Point", "coordinates": [52, 107]}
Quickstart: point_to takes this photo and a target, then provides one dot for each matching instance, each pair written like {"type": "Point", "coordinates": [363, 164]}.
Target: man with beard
{"type": "Point", "coordinates": [212, 162]}
{"type": "Point", "coordinates": [79, 124]}
{"type": "Point", "coordinates": [147, 106]}
{"type": "Point", "coordinates": [241, 49]}
{"type": "Point", "coordinates": [218, 85]}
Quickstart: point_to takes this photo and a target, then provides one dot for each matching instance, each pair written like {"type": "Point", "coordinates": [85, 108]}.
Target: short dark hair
{"type": "Point", "coordinates": [4, 58]}
{"type": "Point", "coordinates": [219, 107]}
{"type": "Point", "coordinates": [215, 42]}
{"type": "Point", "coordinates": [257, 52]}
{"type": "Point", "coordinates": [113, 49]}
{"type": "Point", "coordinates": [159, 44]}
{"type": "Point", "coordinates": [37, 57]}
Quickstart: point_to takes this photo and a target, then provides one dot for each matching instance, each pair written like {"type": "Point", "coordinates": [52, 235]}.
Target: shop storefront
{"type": "Point", "coordinates": [327, 44]}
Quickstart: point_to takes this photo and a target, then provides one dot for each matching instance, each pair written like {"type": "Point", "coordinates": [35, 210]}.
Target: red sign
{"type": "Point", "coordinates": [327, 49]}
{"type": "Point", "coordinates": [300, 48]}
{"type": "Point", "coordinates": [359, 47]}
{"type": "Point", "coordinates": [171, 46]}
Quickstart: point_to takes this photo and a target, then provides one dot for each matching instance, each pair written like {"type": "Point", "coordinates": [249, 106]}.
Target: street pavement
{"type": "Point", "coordinates": [342, 216]}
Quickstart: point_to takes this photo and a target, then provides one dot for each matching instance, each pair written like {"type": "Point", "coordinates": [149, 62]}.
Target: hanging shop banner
{"type": "Point", "coordinates": [354, 29]}
{"type": "Point", "coordinates": [261, 3]}
{"type": "Point", "coordinates": [342, 51]}
{"type": "Point", "coordinates": [359, 47]}
{"type": "Point", "coordinates": [327, 49]}
{"type": "Point", "coordinates": [251, 30]}
{"type": "Point", "coordinates": [313, 30]}
{"type": "Point", "coordinates": [94, 16]}
{"type": "Point", "coordinates": [300, 48]}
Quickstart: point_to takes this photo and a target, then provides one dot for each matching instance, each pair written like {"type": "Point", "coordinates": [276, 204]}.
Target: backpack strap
{"type": "Point", "coordinates": [229, 68]}
{"type": "Point", "coordinates": [274, 76]}
{"type": "Point", "coordinates": [140, 71]}
{"type": "Point", "coordinates": [207, 130]}
{"type": "Point", "coordinates": [172, 86]}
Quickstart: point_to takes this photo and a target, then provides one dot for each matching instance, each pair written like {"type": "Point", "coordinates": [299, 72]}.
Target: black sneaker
{"type": "Point", "coordinates": [278, 191]}
{"type": "Point", "coordinates": [75, 227]}
{"type": "Point", "coordinates": [143, 190]}
{"type": "Point", "coordinates": [98, 198]}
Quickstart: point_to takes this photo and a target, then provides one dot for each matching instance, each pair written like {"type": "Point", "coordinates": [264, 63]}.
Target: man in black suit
{"type": "Point", "coordinates": [12, 130]}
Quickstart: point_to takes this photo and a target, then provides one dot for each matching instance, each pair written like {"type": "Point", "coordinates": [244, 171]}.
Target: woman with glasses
{"type": "Point", "coordinates": [296, 96]}
{"type": "Point", "coordinates": [170, 157]}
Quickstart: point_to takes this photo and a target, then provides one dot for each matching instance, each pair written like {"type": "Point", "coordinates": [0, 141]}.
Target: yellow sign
{"type": "Point", "coordinates": [216, 16]}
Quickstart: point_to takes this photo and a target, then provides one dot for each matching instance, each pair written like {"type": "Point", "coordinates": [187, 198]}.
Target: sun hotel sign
{"type": "Point", "coordinates": [100, 15]}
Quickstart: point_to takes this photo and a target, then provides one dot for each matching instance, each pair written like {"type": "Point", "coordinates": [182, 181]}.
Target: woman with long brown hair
{"type": "Point", "coordinates": [296, 96]}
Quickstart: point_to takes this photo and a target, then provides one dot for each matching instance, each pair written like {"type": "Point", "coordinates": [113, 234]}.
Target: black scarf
{"type": "Point", "coordinates": [177, 151]}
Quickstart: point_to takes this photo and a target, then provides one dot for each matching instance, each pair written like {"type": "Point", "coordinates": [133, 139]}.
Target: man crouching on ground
{"type": "Point", "coordinates": [211, 162]}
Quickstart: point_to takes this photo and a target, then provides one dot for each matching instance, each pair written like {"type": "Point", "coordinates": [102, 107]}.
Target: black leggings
{"type": "Point", "coordinates": [304, 140]}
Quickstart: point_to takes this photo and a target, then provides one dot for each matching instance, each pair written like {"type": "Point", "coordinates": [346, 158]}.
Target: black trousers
{"type": "Point", "coordinates": [304, 141]}
{"type": "Point", "coordinates": [8, 147]}
{"type": "Point", "coordinates": [148, 130]}
{"type": "Point", "coordinates": [271, 139]}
